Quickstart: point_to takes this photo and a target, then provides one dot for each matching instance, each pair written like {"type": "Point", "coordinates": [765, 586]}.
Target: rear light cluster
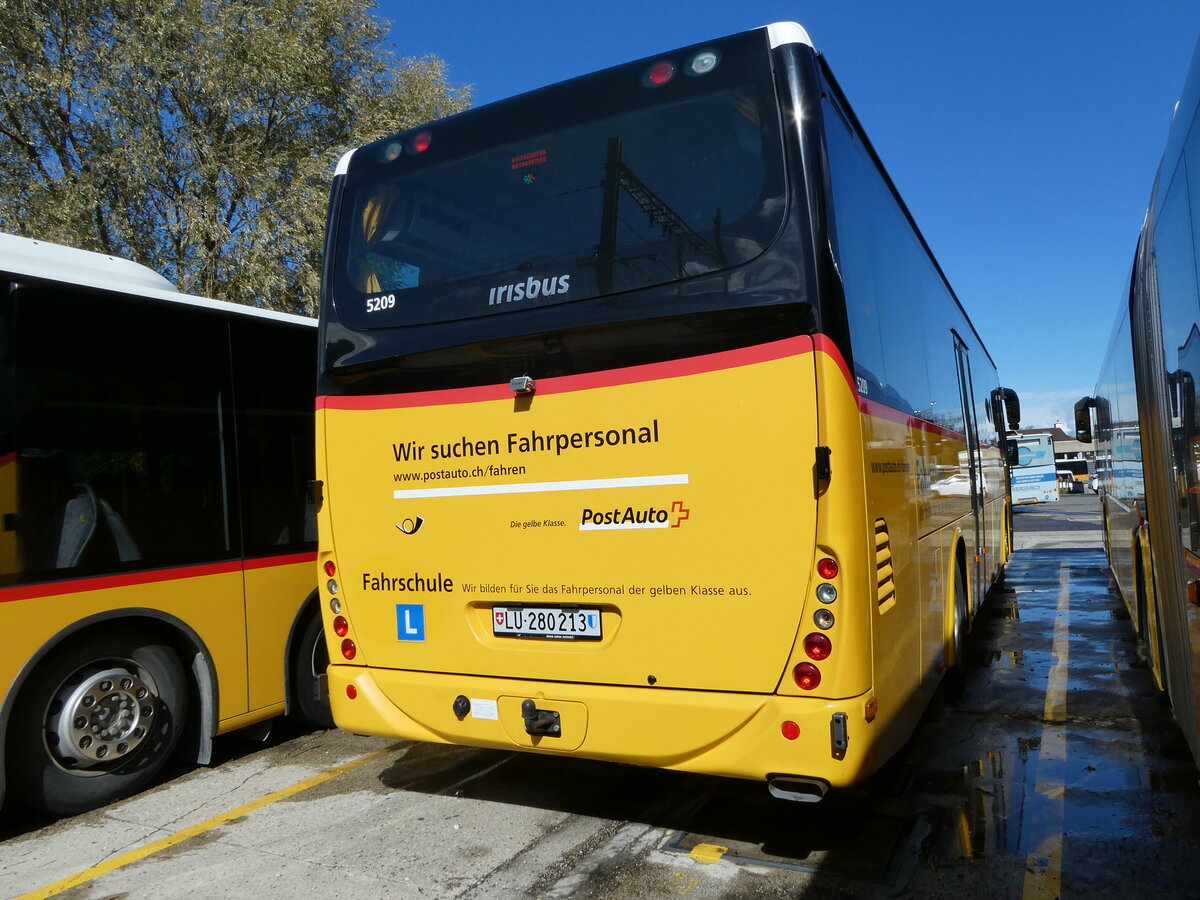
{"type": "Point", "coordinates": [341, 625]}
{"type": "Point", "coordinates": [817, 645]}
{"type": "Point", "coordinates": [414, 145]}
{"type": "Point", "coordinates": [664, 70]}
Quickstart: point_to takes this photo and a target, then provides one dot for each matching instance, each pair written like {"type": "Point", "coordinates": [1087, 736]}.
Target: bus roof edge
{"type": "Point", "coordinates": [43, 259]}
{"type": "Point", "coordinates": [781, 33]}
{"type": "Point", "coordinates": [24, 258]}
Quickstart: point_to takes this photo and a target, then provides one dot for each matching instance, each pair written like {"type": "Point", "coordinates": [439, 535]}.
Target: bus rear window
{"type": "Point", "coordinates": [660, 184]}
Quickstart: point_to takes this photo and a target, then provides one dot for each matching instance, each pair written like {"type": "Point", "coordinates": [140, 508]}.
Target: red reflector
{"type": "Point", "coordinates": [351, 692]}
{"type": "Point", "coordinates": [791, 730]}
{"type": "Point", "coordinates": [340, 626]}
{"type": "Point", "coordinates": [827, 568]}
{"type": "Point", "coordinates": [421, 142]}
{"type": "Point", "coordinates": [807, 676]}
{"type": "Point", "coordinates": [660, 73]}
{"type": "Point", "coordinates": [348, 649]}
{"type": "Point", "coordinates": [330, 568]}
{"type": "Point", "coordinates": [817, 646]}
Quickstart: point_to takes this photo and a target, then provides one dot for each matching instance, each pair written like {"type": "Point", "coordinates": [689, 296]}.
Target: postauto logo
{"type": "Point", "coordinates": [632, 517]}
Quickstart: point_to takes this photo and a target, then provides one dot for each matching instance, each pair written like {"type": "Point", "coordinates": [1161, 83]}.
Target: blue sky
{"type": "Point", "coordinates": [1023, 136]}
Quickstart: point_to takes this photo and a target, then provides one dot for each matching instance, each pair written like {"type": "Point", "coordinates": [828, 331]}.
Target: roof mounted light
{"type": "Point", "coordinates": [659, 74]}
{"type": "Point", "coordinates": [703, 62]}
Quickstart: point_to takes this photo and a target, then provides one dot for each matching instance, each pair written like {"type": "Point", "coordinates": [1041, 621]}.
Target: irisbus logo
{"type": "Point", "coordinates": [529, 289]}
{"type": "Point", "coordinates": [631, 517]}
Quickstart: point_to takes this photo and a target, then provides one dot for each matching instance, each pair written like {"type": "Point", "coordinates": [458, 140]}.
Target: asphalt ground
{"type": "Point", "coordinates": [1071, 522]}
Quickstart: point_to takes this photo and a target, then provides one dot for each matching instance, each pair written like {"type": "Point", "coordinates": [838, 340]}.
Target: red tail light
{"type": "Point", "coordinates": [790, 730]}
{"type": "Point", "coordinates": [340, 626]}
{"type": "Point", "coordinates": [827, 568]}
{"type": "Point", "coordinates": [817, 646]}
{"type": "Point", "coordinates": [348, 649]}
{"type": "Point", "coordinates": [660, 73]}
{"type": "Point", "coordinates": [330, 568]}
{"type": "Point", "coordinates": [807, 676]}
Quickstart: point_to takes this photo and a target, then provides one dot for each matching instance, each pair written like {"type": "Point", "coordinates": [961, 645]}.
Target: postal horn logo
{"type": "Point", "coordinates": [411, 525]}
{"type": "Point", "coordinates": [634, 517]}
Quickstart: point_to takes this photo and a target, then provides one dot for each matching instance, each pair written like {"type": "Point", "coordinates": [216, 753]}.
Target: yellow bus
{"type": "Point", "coordinates": [1145, 422]}
{"type": "Point", "coordinates": [157, 542]}
{"type": "Point", "coordinates": [649, 430]}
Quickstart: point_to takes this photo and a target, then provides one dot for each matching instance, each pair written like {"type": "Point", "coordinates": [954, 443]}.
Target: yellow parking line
{"type": "Point", "coordinates": [1043, 867]}
{"type": "Point", "coordinates": [708, 853]}
{"type": "Point", "coordinates": [187, 834]}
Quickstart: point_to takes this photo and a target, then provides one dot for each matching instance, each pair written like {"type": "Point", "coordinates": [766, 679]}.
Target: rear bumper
{"type": "Point", "coordinates": [735, 735]}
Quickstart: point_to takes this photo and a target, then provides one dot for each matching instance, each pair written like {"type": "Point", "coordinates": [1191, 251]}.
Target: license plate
{"type": "Point", "coordinates": [558, 622]}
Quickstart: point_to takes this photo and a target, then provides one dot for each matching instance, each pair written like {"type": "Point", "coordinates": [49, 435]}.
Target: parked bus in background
{"type": "Point", "coordinates": [1033, 472]}
{"type": "Point", "coordinates": [1144, 420]}
{"type": "Point", "coordinates": [650, 430]}
{"type": "Point", "coordinates": [1074, 475]}
{"type": "Point", "coordinates": [156, 542]}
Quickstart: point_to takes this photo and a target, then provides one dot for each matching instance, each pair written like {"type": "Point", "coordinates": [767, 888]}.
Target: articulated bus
{"type": "Point", "coordinates": [1145, 421]}
{"type": "Point", "coordinates": [158, 540]}
{"type": "Point", "coordinates": [649, 430]}
{"type": "Point", "coordinates": [1033, 474]}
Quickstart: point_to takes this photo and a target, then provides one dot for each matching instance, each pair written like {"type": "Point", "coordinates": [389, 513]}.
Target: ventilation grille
{"type": "Point", "coordinates": [885, 583]}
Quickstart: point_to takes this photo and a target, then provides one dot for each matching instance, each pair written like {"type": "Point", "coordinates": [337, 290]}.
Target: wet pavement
{"type": "Point", "coordinates": [1061, 754]}
{"type": "Point", "coordinates": [1071, 522]}
{"type": "Point", "coordinates": [1057, 772]}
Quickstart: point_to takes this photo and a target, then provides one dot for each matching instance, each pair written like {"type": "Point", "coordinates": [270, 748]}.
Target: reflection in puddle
{"type": "Point", "coordinates": [995, 801]}
{"type": "Point", "coordinates": [1002, 809]}
{"type": "Point", "coordinates": [1013, 659]}
{"type": "Point", "coordinates": [983, 821]}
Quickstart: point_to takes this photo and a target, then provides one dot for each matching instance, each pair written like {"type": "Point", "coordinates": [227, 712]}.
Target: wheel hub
{"type": "Point", "coordinates": [101, 719]}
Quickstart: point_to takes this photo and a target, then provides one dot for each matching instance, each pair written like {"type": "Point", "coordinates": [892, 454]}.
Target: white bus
{"type": "Point", "coordinates": [1033, 474]}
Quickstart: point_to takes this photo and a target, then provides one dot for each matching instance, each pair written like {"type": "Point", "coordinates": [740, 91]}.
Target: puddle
{"type": "Point", "coordinates": [997, 659]}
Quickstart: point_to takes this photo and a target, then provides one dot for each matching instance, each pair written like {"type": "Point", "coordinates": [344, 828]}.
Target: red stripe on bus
{"type": "Point", "coordinates": [830, 349]}
{"type": "Point", "coordinates": [130, 579]}
{"type": "Point", "coordinates": [874, 408]}
{"type": "Point", "coordinates": [694, 365]}
{"type": "Point", "coordinates": [271, 562]}
{"type": "Point", "coordinates": [879, 410]}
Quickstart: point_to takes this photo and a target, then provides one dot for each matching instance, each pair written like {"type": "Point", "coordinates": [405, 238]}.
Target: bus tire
{"type": "Point", "coordinates": [310, 659]}
{"type": "Point", "coordinates": [97, 722]}
{"type": "Point", "coordinates": [956, 679]}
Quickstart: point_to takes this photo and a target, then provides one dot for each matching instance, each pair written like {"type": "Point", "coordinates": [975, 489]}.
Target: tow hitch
{"type": "Point", "coordinates": [540, 722]}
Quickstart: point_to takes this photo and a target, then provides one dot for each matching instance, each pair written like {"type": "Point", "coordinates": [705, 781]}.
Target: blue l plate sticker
{"type": "Point", "coordinates": [410, 622]}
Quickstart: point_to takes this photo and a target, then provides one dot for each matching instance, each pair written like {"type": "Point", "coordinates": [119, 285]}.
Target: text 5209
{"type": "Point", "coordinates": [384, 301]}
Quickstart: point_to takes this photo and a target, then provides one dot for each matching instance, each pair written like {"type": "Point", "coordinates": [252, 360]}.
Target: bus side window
{"type": "Point", "coordinates": [126, 439]}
